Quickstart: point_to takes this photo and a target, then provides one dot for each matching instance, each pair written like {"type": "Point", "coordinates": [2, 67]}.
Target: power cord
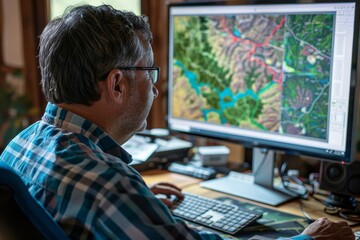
{"type": "Point", "coordinates": [292, 183]}
{"type": "Point", "coordinates": [309, 219]}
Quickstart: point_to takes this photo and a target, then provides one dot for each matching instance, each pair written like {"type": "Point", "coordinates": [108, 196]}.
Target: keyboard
{"type": "Point", "coordinates": [214, 214]}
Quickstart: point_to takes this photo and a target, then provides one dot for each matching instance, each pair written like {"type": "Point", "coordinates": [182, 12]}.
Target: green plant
{"type": "Point", "coordinates": [15, 110]}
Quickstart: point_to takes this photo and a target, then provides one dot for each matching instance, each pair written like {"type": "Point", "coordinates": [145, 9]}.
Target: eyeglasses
{"type": "Point", "coordinates": [154, 72]}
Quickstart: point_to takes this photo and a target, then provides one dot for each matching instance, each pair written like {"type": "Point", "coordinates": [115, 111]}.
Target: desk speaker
{"type": "Point", "coordinates": [340, 178]}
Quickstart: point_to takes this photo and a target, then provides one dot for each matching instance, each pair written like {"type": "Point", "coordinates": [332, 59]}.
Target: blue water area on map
{"type": "Point", "coordinates": [226, 93]}
{"type": "Point", "coordinates": [237, 33]}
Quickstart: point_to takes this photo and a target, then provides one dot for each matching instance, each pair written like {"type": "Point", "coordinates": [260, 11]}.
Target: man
{"type": "Point", "coordinates": [98, 75]}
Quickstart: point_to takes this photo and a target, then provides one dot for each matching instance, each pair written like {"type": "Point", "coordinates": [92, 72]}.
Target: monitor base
{"type": "Point", "coordinates": [242, 185]}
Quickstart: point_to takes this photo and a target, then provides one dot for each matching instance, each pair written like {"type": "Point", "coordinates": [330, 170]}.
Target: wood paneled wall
{"type": "Point", "coordinates": [34, 18]}
{"type": "Point", "coordinates": [157, 11]}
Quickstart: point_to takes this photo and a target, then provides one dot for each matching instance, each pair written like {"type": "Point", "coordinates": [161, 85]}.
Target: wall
{"type": "Point", "coordinates": [12, 42]}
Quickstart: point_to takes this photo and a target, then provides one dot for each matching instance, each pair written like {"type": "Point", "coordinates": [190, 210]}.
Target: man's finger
{"type": "Point", "coordinates": [161, 189]}
{"type": "Point", "coordinates": [169, 185]}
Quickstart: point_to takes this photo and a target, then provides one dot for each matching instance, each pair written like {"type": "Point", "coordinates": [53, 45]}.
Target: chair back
{"type": "Point", "coordinates": [21, 215]}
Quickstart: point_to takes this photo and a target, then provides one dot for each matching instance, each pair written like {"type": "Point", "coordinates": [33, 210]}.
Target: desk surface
{"type": "Point", "coordinates": [312, 207]}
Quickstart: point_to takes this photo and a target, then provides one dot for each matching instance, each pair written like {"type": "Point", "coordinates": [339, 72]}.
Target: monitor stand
{"type": "Point", "coordinates": [258, 187]}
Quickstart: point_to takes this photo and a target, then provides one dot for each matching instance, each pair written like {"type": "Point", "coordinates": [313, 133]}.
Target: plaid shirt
{"type": "Point", "coordinates": [81, 176]}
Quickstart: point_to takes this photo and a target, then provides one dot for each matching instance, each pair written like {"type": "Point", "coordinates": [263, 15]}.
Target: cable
{"type": "Point", "coordinates": [285, 180]}
{"type": "Point", "coordinates": [306, 215]}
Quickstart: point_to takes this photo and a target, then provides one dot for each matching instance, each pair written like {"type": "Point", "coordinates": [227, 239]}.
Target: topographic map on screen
{"type": "Point", "coordinates": [266, 72]}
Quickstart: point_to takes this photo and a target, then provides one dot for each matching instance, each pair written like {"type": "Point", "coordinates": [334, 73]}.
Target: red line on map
{"type": "Point", "coordinates": [279, 80]}
{"type": "Point", "coordinates": [252, 51]}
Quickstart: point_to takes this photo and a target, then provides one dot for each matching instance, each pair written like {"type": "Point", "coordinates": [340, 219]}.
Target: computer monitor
{"type": "Point", "coordinates": [277, 76]}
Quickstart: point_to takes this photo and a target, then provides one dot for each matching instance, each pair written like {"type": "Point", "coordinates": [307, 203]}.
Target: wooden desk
{"type": "Point", "coordinates": [189, 184]}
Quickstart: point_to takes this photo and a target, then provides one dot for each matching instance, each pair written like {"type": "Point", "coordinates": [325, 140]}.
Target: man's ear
{"type": "Point", "coordinates": [116, 85]}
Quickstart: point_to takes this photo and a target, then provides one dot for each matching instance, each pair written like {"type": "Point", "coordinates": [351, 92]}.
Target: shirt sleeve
{"type": "Point", "coordinates": [298, 237]}
{"type": "Point", "coordinates": [131, 211]}
{"type": "Point", "coordinates": [302, 237]}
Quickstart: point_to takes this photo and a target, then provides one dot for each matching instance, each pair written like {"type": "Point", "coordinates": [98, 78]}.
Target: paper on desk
{"type": "Point", "coordinates": [139, 148]}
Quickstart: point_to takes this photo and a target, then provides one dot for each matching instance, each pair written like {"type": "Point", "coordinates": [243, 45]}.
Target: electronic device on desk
{"type": "Point", "coordinates": [274, 77]}
{"type": "Point", "coordinates": [214, 214]}
{"type": "Point", "coordinates": [213, 155]}
{"type": "Point", "coordinates": [154, 134]}
{"type": "Point", "coordinates": [205, 173]}
{"type": "Point", "coordinates": [150, 154]}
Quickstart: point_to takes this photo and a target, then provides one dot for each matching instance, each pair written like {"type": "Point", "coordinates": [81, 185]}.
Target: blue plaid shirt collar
{"type": "Point", "coordinates": [72, 122]}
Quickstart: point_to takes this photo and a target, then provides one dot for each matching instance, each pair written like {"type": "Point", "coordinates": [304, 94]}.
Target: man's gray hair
{"type": "Point", "coordinates": [81, 47]}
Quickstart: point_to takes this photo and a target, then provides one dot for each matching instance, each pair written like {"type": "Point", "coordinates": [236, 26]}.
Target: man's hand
{"type": "Point", "coordinates": [167, 189]}
{"type": "Point", "coordinates": [324, 229]}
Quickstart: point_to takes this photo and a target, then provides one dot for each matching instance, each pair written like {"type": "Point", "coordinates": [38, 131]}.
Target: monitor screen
{"type": "Point", "coordinates": [279, 76]}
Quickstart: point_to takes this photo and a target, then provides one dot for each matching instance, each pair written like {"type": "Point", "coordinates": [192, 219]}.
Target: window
{"type": "Point", "coordinates": [57, 7]}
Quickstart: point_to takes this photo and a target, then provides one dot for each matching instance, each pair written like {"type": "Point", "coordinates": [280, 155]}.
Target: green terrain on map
{"type": "Point", "coordinates": [262, 72]}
